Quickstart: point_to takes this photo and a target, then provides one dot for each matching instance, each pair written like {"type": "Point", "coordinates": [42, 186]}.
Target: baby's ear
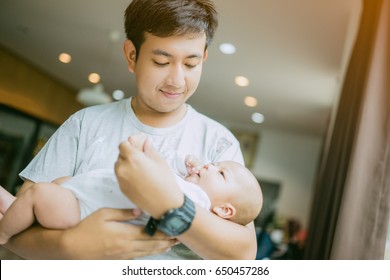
{"type": "Point", "coordinates": [225, 211]}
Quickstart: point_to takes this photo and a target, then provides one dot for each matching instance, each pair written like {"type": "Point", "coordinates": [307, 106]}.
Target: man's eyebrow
{"type": "Point", "coordinates": [161, 52]}
{"type": "Point", "coordinates": [164, 53]}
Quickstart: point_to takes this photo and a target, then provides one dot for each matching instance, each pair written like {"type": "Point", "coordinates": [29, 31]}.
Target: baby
{"type": "Point", "coordinates": [226, 188]}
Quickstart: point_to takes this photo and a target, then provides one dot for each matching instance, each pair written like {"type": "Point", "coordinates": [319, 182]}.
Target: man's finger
{"type": "Point", "coordinates": [138, 141]}
{"type": "Point", "coordinates": [126, 150]}
{"type": "Point", "coordinates": [150, 151]}
{"type": "Point", "coordinates": [150, 247]}
{"type": "Point", "coordinates": [120, 214]}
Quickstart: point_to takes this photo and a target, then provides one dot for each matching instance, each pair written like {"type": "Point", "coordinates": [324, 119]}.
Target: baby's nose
{"type": "Point", "coordinates": [209, 166]}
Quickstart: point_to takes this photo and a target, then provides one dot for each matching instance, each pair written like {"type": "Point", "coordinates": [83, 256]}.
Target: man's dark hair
{"type": "Point", "coordinates": [164, 18]}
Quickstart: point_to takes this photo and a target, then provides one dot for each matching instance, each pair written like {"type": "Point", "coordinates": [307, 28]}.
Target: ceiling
{"type": "Point", "coordinates": [294, 53]}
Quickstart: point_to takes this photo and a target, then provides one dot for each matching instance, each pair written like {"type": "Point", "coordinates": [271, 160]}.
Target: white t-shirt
{"type": "Point", "coordinates": [99, 188]}
{"type": "Point", "coordinates": [89, 140]}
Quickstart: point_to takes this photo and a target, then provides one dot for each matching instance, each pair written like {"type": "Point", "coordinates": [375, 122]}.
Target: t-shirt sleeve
{"type": "Point", "coordinates": [226, 147]}
{"type": "Point", "coordinates": [58, 156]}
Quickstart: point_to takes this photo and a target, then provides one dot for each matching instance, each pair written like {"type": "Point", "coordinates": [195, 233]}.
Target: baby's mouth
{"type": "Point", "coordinates": [195, 176]}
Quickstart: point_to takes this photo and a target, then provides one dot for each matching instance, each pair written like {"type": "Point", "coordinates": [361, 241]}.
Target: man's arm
{"type": "Point", "coordinates": [147, 179]}
{"type": "Point", "coordinates": [102, 235]}
{"type": "Point", "coordinates": [212, 237]}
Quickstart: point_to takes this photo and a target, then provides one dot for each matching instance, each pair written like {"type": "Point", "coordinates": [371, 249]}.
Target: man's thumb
{"type": "Point", "coordinates": [122, 214]}
{"type": "Point", "coordinates": [150, 151]}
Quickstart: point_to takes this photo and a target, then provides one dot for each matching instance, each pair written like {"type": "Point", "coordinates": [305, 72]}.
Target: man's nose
{"type": "Point", "coordinates": [176, 76]}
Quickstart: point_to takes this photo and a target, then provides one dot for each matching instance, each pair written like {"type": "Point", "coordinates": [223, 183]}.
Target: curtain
{"type": "Point", "coordinates": [351, 204]}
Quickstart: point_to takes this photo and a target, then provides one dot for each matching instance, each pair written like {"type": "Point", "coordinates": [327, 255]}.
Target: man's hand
{"type": "Point", "coordinates": [104, 235]}
{"type": "Point", "coordinates": [145, 177]}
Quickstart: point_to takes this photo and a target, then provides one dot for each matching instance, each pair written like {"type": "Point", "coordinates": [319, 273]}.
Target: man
{"type": "Point", "coordinates": [165, 49]}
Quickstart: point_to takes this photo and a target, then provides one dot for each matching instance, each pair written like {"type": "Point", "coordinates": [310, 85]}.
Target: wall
{"type": "Point", "coordinates": [27, 89]}
{"type": "Point", "coordinates": [291, 159]}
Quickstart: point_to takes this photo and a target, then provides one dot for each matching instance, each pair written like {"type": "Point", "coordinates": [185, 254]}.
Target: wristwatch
{"type": "Point", "coordinates": [175, 221]}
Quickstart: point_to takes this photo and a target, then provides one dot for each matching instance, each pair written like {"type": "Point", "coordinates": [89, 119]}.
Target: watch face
{"type": "Point", "coordinates": [177, 223]}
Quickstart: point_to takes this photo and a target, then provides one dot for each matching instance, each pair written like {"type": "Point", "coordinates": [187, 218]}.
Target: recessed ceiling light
{"type": "Point", "coordinates": [115, 35]}
{"type": "Point", "coordinates": [241, 81]}
{"type": "Point", "coordinates": [93, 96]}
{"type": "Point", "coordinates": [94, 78]}
{"type": "Point", "coordinates": [250, 101]}
{"type": "Point", "coordinates": [227, 48]}
{"type": "Point", "coordinates": [118, 94]}
{"type": "Point", "coordinates": [65, 58]}
{"type": "Point", "coordinates": [257, 118]}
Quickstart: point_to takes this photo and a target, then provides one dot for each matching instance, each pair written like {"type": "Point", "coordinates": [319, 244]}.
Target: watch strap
{"type": "Point", "coordinates": [186, 213]}
{"type": "Point", "coordinates": [151, 226]}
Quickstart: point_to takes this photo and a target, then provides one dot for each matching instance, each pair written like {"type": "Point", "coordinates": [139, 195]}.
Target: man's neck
{"type": "Point", "coordinates": [157, 119]}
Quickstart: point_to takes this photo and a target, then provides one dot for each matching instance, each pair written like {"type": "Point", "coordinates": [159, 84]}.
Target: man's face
{"type": "Point", "coordinates": [168, 71]}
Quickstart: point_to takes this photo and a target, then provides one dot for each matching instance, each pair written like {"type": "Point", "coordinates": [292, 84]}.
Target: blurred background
{"type": "Point", "coordinates": [273, 76]}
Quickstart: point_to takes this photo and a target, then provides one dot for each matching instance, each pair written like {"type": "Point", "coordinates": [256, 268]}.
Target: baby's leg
{"type": "Point", "coordinates": [6, 199]}
{"type": "Point", "coordinates": [49, 204]}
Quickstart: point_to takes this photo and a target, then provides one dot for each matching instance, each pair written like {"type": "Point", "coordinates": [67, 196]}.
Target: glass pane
{"type": "Point", "coordinates": [387, 248]}
{"type": "Point", "coordinates": [16, 133]}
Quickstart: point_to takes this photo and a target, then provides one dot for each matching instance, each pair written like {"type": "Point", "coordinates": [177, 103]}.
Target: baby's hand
{"type": "Point", "coordinates": [193, 164]}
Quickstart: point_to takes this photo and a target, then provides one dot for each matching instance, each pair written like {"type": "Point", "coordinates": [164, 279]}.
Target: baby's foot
{"type": "Point", "coordinates": [6, 199]}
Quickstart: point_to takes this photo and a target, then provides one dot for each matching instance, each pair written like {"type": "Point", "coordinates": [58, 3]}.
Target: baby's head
{"type": "Point", "coordinates": [234, 191]}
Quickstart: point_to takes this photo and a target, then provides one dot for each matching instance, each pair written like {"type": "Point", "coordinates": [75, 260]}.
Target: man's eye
{"type": "Point", "coordinates": [191, 65]}
{"type": "Point", "coordinates": [160, 63]}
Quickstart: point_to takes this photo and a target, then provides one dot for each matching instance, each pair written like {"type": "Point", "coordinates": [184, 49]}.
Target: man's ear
{"type": "Point", "coordinates": [130, 54]}
{"type": "Point", "coordinates": [205, 55]}
{"type": "Point", "coordinates": [225, 211]}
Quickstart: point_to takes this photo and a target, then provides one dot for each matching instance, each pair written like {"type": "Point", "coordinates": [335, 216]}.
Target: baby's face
{"type": "Point", "coordinates": [220, 180]}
